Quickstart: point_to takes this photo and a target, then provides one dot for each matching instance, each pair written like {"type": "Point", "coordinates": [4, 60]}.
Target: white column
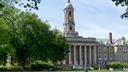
{"type": "Point", "coordinates": [75, 55]}
{"type": "Point", "coordinates": [70, 62]}
{"type": "Point", "coordinates": [95, 56]}
{"type": "Point", "coordinates": [85, 55]}
{"type": "Point", "coordinates": [80, 53]}
{"type": "Point", "coordinates": [90, 55]}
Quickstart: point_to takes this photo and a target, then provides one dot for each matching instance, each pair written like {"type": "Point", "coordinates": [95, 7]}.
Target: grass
{"type": "Point", "coordinates": [107, 71]}
{"type": "Point", "coordinates": [95, 71]}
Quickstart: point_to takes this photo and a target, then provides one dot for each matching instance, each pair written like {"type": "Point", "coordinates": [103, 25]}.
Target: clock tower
{"type": "Point", "coordinates": [69, 24]}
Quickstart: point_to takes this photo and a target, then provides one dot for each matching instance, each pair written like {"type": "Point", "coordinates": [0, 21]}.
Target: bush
{"type": "Point", "coordinates": [95, 67]}
{"type": "Point", "coordinates": [116, 65]}
{"type": "Point", "coordinates": [9, 68]}
{"type": "Point", "coordinates": [39, 65]}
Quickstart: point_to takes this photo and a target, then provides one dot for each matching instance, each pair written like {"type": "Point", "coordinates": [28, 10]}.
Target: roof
{"type": "Point", "coordinates": [81, 39]}
{"type": "Point", "coordinates": [68, 5]}
{"type": "Point", "coordinates": [121, 41]}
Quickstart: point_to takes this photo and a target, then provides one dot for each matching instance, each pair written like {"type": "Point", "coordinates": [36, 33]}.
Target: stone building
{"type": "Point", "coordinates": [90, 51]}
{"type": "Point", "coordinates": [112, 50]}
{"type": "Point", "coordinates": [82, 50]}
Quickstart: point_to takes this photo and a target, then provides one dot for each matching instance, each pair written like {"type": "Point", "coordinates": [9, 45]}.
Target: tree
{"type": "Point", "coordinates": [26, 33]}
{"type": "Point", "coordinates": [31, 38]}
{"type": "Point", "coordinates": [25, 3]}
{"type": "Point", "coordinates": [59, 46]}
{"type": "Point", "coordinates": [122, 3]}
{"type": "Point", "coordinates": [4, 41]}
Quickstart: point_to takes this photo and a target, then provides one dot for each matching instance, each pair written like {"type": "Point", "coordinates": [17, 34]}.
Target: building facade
{"type": "Point", "coordinates": [90, 51]}
{"type": "Point", "coordinates": [82, 50]}
{"type": "Point", "coordinates": [112, 50]}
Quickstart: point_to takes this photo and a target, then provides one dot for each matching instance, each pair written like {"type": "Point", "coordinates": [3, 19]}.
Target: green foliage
{"type": "Point", "coordinates": [31, 4]}
{"type": "Point", "coordinates": [3, 32]}
{"type": "Point", "coordinates": [122, 3]}
{"type": "Point", "coordinates": [116, 65]}
{"type": "Point", "coordinates": [58, 45]}
{"type": "Point", "coordinates": [4, 41]}
{"type": "Point", "coordinates": [40, 65]}
{"type": "Point", "coordinates": [27, 38]}
{"type": "Point", "coordinates": [9, 68]}
{"type": "Point", "coordinates": [3, 56]}
{"type": "Point", "coordinates": [95, 67]}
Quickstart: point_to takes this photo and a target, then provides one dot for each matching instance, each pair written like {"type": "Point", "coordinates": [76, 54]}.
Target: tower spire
{"type": "Point", "coordinates": [69, 24]}
{"type": "Point", "coordinates": [68, 1]}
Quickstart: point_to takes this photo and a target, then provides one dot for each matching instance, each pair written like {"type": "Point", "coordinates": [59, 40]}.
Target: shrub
{"type": "Point", "coordinates": [39, 65]}
{"type": "Point", "coordinates": [95, 67]}
{"type": "Point", "coordinates": [116, 65]}
{"type": "Point", "coordinates": [9, 68]}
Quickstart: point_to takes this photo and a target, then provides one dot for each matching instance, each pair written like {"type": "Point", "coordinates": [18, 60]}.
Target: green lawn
{"type": "Point", "coordinates": [106, 71]}
{"type": "Point", "coordinates": [93, 71]}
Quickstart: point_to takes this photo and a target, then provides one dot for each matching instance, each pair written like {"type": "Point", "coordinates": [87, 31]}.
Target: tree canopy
{"type": "Point", "coordinates": [122, 3]}
{"type": "Point", "coordinates": [29, 38]}
{"type": "Point", "coordinates": [25, 3]}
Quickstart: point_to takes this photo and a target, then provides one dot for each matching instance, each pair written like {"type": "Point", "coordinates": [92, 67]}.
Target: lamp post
{"type": "Point", "coordinates": [85, 68]}
{"type": "Point", "coordinates": [99, 60]}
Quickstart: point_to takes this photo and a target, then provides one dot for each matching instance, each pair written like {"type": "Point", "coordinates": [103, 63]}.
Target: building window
{"type": "Point", "coordinates": [70, 13]}
{"type": "Point", "coordinates": [70, 28]}
{"type": "Point", "coordinates": [120, 56]}
{"type": "Point", "coordinates": [120, 49]}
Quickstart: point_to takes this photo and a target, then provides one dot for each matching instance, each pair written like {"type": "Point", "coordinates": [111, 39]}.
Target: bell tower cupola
{"type": "Point", "coordinates": [69, 24]}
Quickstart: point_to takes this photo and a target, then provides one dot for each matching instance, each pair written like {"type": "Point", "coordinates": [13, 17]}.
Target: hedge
{"type": "Point", "coordinates": [116, 65]}
{"type": "Point", "coordinates": [41, 66]}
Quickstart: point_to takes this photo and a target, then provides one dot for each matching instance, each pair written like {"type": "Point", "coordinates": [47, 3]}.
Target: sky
{"type": "Point", "coordinates": [93, 18]}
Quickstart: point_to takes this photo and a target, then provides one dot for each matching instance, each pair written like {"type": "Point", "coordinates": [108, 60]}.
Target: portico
{"type": "Point", "coordinates": [78, 54]}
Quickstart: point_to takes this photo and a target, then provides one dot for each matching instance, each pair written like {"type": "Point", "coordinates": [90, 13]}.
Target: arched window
{"type": "Point", "coordinates": [70, 28]}
{"type": "Point", "coordinates": [70, 13]}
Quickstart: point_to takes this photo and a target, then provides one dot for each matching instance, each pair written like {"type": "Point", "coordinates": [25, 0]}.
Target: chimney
{"type": "Point", "coordinates": [110, 38]}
